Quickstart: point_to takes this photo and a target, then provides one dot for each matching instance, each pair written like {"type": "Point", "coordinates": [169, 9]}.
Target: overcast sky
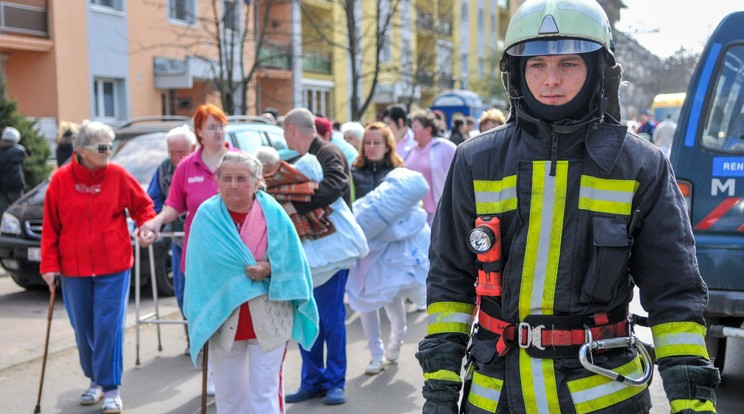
{"type": "Point", "coordinates": [663, 26]}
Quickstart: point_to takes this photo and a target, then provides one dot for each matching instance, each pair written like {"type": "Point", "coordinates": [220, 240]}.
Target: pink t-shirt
{"type": "Point", "coordinates": [418, 160]}
{"type": "Point", "coordinates": [193, 183]}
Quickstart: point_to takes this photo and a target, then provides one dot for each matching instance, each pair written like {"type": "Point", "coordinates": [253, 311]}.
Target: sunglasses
{"type": "Point", "coordinates": [99, 148]}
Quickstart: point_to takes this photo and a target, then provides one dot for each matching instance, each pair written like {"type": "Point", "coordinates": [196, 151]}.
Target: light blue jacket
{"type": "Point", "coordinates": [216, 281]}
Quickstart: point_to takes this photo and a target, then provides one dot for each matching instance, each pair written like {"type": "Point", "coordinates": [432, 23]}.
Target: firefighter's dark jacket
{"type": "Point", "coordinates": [566, 200]}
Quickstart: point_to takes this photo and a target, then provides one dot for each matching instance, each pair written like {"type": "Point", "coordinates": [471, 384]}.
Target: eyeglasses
{"type": "Point", "coordinates": [94, 189]}
{"type": "Point", "coordinates": [99, 148]}
{"type": "Point", "coordinates": [237, 179]}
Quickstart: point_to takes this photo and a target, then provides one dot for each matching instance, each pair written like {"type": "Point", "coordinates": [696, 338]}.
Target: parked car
{"type": "Point", "coordinates": [20, 231]}
{"type": "Point", "coordinates": [250, 132]}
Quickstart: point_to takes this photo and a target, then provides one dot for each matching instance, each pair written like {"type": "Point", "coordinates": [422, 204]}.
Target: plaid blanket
{"type": "Point", "coordinates": [288, 184]}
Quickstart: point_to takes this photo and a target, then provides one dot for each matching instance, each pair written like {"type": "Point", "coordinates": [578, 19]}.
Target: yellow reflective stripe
{"type": "Point", "coordinates": [607, 195]}
{"type": "Point", "coordinates": [539, 389]}
{"type": "Point", "coordinates": [485, 392]}
{"type": "Point", "coordinates": [450, 317]}
{"type": "Point", "coordinates": [694, 405]}
{"type": "Point", "coordinates": [544, 235]}
{"type": "Point", "coordinates": [442, 375]}
{"type": "Point", "coordinates": [678, 339]}
{"type": "Point", "coordinates": [494, 197]}
{"type": "Point", "coordinates": [597, 391]}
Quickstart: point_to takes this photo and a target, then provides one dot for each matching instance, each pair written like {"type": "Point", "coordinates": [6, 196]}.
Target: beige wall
{"type": "Point", "coordinates": [70, 60]}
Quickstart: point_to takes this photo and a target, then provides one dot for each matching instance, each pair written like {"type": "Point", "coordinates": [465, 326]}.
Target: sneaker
{"type": "Point", "coordinates": [335, 396]}
{"type": "Point", "coordinates": [375, 367]}
{"type": "Point", "coordinates": [392, 353]}
{"type": "Point", "coordinates": [91, 396]}
{"type": "Point", "coordinates": [302, 395]}
{"type": "Point", "coordinates": [112, 405]}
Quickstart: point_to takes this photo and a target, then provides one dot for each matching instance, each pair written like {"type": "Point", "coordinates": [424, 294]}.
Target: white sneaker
{"type": "Point", "coordinates": [392, 353]}
{"type": "Point", "coordinates": [375, 367]}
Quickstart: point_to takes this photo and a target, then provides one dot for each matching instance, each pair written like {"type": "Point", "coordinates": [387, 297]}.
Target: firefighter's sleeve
{"type": "Point", "coordinates": [663, 265]}
{"type": "Point", "coordinates": [450, 292]}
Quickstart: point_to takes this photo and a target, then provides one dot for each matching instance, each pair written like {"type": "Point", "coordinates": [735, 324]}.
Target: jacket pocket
{"type": "Point", "coordinates": [485, 378]}
{"type": "Point", "coordinates": [609, 259]}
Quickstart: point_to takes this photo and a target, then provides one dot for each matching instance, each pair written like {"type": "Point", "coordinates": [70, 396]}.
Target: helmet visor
{"type": "Point", "coordinates": [553, 47]}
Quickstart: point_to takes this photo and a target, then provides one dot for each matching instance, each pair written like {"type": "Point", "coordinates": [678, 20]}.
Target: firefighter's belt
{"type": "Point", "coordinates": [548, 336]}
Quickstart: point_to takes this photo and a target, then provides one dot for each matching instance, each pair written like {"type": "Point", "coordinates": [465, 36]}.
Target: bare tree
{"type": "Point", "coordinates": [356, 28]}
{"type": "Point", "coordinates": [221, 43]}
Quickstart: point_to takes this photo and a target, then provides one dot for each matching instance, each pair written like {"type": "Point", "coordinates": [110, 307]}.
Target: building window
{"type": "Point", "coordinates": [318, 101]}
{"type": "Point", "coordinates": [232, 14]}
{"type": "Point", "coordinates": [182, 11]}
{"type": "Point", "coordinates": [105, 96]}
{"type": "Point", "coordinates": [111, 4]}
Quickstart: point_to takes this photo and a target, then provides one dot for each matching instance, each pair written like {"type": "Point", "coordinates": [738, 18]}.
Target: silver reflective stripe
{"type": "Point", "coordinates": [605, 195]}
{"type": "Point", "coordinates": [538, 382]}
{"type": "Point", "coordinates": [597, 392]}
{"type": "Point", "coordinates": [543, 247]}
{"type": "Point", "coordinates": [679, 339]}
{"type": "Point", "coordinates": [495, 197]}
{"type": "Point", "coordinates": [450, 317]}
{"type": "Point", "coordinates": [485, 392]}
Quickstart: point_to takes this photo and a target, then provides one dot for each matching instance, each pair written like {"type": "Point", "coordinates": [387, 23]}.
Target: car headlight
{"type": "Point", "coordinates": [10, 224]}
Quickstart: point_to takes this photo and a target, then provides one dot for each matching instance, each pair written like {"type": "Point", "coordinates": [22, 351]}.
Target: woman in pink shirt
{"type": "Point", "coordinates": [195, 178]}
{"type": "Point", "coordinates": [431, 157]}
{"type": "Point", "coordinates": [194, 181]}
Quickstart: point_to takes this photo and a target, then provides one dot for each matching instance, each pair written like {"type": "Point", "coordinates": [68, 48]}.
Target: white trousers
{"type": "Point", "coordinates": [396, 314]}
{"type": "Point", "coordinates": [248, 380]}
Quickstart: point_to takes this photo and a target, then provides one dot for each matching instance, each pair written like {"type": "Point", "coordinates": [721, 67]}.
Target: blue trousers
{"type": "Point", "coordinates": [97, 307]}
{"type": "Point", "coordinates": [317, 375]}
{"type": "Point", "coordinates": [178, 280]}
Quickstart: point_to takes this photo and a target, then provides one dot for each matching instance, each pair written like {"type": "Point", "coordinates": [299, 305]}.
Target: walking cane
{"type": "Point", "coordinates": [205, 362]}
{"type": "Point", "coordinates": [46, 346]}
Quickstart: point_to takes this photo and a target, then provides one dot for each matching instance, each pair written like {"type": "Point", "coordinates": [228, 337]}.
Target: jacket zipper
{"type": "Point", "coordinates": [553, 153]}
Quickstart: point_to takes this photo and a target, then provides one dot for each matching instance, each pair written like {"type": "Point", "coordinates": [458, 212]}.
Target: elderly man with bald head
{"type": "Point", "coordinates": [322, 378]}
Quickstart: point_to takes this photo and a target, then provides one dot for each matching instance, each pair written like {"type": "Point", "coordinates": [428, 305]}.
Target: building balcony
{"type": "Point", "coordinates": [24, 18]}
{"type": "Point", "coordinates": [425, 21]}
{"type": "Point", "coordinates": [444, 26]}
{"type": "Point", "coordinates": [317, 62]}
{"type": "Point", "coordinates": [275, 56]}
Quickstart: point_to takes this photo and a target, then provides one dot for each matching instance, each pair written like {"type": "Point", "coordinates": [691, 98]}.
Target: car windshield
{"type": "Point", "coordinates": [142, 155]}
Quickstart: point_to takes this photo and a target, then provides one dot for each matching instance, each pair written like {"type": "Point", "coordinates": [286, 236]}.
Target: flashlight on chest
{"type": "Point", "coordinates": [485, 241]}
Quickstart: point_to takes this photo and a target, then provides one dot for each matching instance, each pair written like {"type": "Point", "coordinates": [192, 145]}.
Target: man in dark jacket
{"type": "Point", "coordinates": [322, 378]}
{"type": "Point", "coordinates": [572, 211]}
{"type": "Point", "coordinates": [12, 157]}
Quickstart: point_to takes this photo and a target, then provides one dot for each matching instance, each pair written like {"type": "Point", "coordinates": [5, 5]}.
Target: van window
{"type": "Point", "coordinates": [724, 128]}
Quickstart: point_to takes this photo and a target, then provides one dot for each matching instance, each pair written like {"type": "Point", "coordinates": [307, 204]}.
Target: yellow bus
{"type": "Point", "coordinates": [667, 103]}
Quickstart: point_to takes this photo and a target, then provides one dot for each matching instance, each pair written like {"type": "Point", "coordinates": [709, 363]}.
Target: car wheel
{"type": "Point", "coordinates": [716, 346]}
{"type": "Point", "coordinates": [26, 284]}
{"type": "Point", "coordinates": [164, 275]}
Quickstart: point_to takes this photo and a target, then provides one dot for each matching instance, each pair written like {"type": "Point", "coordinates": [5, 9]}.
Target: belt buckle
{"type": "Point", "coordinates": [528, 336]}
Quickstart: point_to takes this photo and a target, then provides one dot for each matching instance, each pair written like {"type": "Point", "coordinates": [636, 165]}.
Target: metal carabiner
{"type": "Point", "coordinates": [626, 342]}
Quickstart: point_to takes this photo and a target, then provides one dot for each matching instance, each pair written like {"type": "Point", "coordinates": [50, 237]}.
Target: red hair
{"type": "Point", "coordinates": [200, 118]}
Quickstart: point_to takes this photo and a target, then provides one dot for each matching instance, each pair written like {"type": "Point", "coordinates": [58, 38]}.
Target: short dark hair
{"type": "Point", "coordinates": [396, 112]}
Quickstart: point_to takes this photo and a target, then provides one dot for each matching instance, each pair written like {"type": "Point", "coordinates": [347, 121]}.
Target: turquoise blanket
{"type": "Point", "coordinates": [216, 282]}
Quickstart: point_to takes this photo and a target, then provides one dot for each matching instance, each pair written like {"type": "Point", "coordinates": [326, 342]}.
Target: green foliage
{"type": "Point", "coordinates": [36, 168]}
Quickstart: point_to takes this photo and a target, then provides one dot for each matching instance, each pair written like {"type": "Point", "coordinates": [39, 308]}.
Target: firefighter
{"type": "Point", "coordinates": [582, 212]}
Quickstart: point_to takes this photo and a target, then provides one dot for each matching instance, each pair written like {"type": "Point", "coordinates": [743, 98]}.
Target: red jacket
{"type": "Point", "coordinates": [85, 233]}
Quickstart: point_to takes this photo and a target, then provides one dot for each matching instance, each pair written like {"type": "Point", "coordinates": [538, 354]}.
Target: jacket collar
{"type": "Point", "coordinates": [602, 139]}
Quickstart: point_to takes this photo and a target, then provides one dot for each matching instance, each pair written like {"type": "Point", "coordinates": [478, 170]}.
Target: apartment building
{"type": "Point", "coordinates": [112, 60]}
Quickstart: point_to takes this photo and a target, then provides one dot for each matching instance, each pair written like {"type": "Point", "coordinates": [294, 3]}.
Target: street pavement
{"type": "Point", "coordinates": [167, 382]}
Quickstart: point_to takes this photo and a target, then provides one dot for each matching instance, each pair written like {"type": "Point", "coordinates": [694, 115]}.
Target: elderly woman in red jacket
{"type": "Point", "coordinates": [85, 240]}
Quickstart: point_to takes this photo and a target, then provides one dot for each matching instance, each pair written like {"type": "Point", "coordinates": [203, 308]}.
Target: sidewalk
{"type": "Point", "coordinates": [24, 320]}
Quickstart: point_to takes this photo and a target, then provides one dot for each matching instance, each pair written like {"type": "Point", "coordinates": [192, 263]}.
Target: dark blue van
{"type": "Point", "coordinates": [708, 159]}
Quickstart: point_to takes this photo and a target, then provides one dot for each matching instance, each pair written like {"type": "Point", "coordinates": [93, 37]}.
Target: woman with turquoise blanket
{"type": "Point", "coordinates": [248, 289]}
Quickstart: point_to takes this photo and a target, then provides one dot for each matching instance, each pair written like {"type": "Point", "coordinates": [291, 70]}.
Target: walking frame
{"type": "Point", "coordinates": [152, 317]}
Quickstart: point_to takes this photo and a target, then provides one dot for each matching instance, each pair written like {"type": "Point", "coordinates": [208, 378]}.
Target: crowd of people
{"type": "Point", "coordinates": [393, 211]}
